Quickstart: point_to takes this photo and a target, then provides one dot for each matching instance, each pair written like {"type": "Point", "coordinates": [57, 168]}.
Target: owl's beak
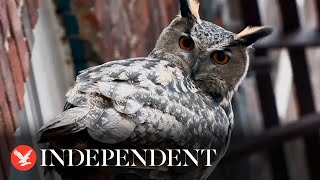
{"type": "Point", "coordinates": [194, 70]}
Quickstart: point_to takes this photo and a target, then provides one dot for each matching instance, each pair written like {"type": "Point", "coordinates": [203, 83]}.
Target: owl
{"type": "Point", "coordinates": [176, 98]}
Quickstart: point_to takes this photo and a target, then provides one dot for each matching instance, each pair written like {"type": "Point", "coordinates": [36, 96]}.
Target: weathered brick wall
{"type": "Point", "coordinates": [103, 30]}
{"type": "Point", "coordinates": [17, 18]}
{"type": "Point", "coordinates": [121, 28]}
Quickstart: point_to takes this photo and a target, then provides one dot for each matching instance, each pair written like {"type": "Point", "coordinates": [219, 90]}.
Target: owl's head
{"type": "Point", "coordinates": [216, 59]}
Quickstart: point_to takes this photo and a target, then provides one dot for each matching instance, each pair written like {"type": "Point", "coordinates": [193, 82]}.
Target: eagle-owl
{"type": "Point", "coordinates": [178, 98]}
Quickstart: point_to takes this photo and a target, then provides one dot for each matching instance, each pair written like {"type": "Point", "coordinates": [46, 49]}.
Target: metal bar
{"type": "Point", "coordinates": [251, 15]}
{"type": "Point", "coordinates": [261, 64]}
{"type": "Point", "coordinates": [306, 106]}
{"type": "Point", "coordinates": [276, 156]}
{"type": "Point", "coordinates": [290, 18]}
{"type": "Point", "coordinates": [275, 136]}
{"type": "Point", "coordinates": [301, 38]}
{"type": "Point", "coordinates": [302, 81]}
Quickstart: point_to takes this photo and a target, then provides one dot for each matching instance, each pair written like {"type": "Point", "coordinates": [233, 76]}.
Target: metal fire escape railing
{"type": "Point", "coordinates": [295, 39]}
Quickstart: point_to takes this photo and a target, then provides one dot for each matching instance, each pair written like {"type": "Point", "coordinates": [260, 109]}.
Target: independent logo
{"type": "Point", "coordinates": [23, 157]}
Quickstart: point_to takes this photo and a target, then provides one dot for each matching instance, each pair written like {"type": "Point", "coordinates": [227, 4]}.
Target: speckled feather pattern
{"type": "Point", "coordinates": [148, 102]}
{"type": "Point", "coordinates": [144, 103]}
{"type": "Point", "coordinates": [211, 34]}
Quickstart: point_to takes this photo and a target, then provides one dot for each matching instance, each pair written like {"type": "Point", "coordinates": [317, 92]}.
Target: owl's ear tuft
{"type": "Point", "coordinates": [252, 34]}
{"type": "Point", "coordinates": [190, 9]}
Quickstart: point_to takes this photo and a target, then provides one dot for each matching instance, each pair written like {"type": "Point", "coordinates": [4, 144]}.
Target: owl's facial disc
{"type": "Point", "coordinates": [222, 57]}
{"type": "Point", "coordinates": [216, 59]}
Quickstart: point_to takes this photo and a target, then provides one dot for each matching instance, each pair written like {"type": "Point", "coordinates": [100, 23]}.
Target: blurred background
{"type": "Point", "coordinates": [45, 43]}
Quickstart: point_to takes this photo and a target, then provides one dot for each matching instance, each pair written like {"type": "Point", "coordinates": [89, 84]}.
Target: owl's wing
{"type": "Point", "coordinates": [139, 100]}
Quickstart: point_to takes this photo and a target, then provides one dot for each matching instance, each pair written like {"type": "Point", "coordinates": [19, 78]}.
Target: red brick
{"type": "Point", "coordinates": [10, 92]}
{"type": "Point", "coordinates": [171, 8]}
{"type": "Point", "coordinates": [83, 3]}
{"type": "Point", "coordinates": [9, 84]}
{"type": "Point", "coordinates": [92, 19]}
{"type": "Point", "coordinates": [27, 27]}
{"type": "Point", "coordinates": [148, 29]}
{"type": "Point", "coordinates": [100, 10]}
{"type": "Point", "coordinates": [4, 19]}
{"type": "Point", "coordinates": [16, 23]}
{"type": "Point", "coordinates": [32, 6]}
{"type": "Point", "coordinates": [120, 28]}
{"type": "Point", "coordinates": [8, 130]}
{"type": "Point", "coordinates": [16, 70]}
{"type": "Point", "coordinates": [18, 35]}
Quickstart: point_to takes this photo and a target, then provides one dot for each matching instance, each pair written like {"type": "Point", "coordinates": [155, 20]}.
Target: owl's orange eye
{"type": "Point", "coordinates": [186, 43]}
{"type": "Point", "coordinates": [220, 57]}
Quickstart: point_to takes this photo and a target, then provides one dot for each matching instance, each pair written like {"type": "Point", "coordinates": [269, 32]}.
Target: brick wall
{"type": "Point", "coordinates": [17, 18]}
{"type": "Point", "coordinates": [103, 30]}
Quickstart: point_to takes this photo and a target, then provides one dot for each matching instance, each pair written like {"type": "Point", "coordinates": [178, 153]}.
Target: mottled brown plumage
{"type": "Point", "coordinates": [177, 97]}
